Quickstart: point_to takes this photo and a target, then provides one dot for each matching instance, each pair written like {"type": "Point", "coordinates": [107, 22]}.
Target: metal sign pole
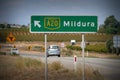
{"type": "Point", "coordinates": [83, 58]}
{"type": "Point", "coordinates": [46, 66]}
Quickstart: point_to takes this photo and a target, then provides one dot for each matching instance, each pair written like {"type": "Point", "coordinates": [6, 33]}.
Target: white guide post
{"type": "Point", "coordinates": [75, 63]}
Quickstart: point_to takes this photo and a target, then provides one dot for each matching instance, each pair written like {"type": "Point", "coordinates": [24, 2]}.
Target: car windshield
{"type": "Point", "coordinates": [14, 49]}
{"type": "Point", "coordinates": [54, 47]}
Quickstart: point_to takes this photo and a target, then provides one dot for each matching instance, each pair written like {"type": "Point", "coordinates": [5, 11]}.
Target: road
{"type": "Point", "coordinates": [109, 68]}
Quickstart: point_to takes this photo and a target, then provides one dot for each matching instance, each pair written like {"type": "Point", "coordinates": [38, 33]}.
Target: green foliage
{"type": "Point", "coordinates": [2, 53]}
{"type": "Point", "coordinates": [109, 45]}
{"type": "Point", "coordinates": [95, 48]}
{"type": "Point", "coordinates": [111, 25]}
{"type": "Point", "coordinates": [14, 54]}
{"type": "Point", "coordinates": [74, 47]}
{"type": "Point", "coordinates": [2, 26]}
{"type": "Point", "coordinates": [101, 29]}
{"type": "Point", "coordinates": [111, 31]}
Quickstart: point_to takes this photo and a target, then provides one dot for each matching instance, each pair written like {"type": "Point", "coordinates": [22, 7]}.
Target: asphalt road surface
{"type": "Point", "coordinates": [109, 68]}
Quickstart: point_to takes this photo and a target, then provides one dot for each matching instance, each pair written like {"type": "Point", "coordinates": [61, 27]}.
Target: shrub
{"type": "Point", "coordinates": [2, 53]}
{"type": "Point", "coordinates": [69, 53]}
{"type": "Point", "coordinates": [95, 48]}
{"type": "Point", "coordinates": [109, 45]}
{"type": "Point", "coordinates": [14, 54]}
{"type": "Point", "coordinates": [56, 65]}
{"type": "Point", "coordinates": [23, 63]}
{"type": "Point", "coordinates": [38, 48]}
{"type": "Point", "coordinates": [74, 47]}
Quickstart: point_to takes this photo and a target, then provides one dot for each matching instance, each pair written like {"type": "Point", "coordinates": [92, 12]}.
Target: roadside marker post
{"type": "Point", "coordinates": [75, 63]}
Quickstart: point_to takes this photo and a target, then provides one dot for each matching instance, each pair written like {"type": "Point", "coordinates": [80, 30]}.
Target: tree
{"type": "Point", "coordinates": [101, 29]}
{"type": "Point", "coordinates": [109, 45]}
{"type": "Point", "coordinates": [23, 26]}
{"type": "Point", "coordinates": [111, 25]}
{"type": "Point", "coordinates": [119, 28]}
{"type": "Point", "coordinates": [8, 26]}
{"type": "Point", "coordinates": [2, 26]}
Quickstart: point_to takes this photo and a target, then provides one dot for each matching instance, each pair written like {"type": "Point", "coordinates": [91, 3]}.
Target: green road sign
{"type": "Point", "coordinates": [63, 24]}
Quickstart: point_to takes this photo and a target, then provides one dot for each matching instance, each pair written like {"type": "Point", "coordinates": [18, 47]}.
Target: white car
{"type": "Point", "coordinates": [53, 50]}
{"type": "Point", "coordinates": [14, 51]}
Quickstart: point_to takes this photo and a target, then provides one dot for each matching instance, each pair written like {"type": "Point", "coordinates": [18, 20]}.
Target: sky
{"type": "Point", "coordinates": [20, 11]}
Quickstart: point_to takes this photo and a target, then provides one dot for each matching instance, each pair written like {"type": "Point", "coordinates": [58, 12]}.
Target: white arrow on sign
{"type": "Point", "coordinates": [37, 23]}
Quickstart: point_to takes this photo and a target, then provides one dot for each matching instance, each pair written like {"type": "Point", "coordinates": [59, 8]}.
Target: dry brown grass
{"type": "Point", "coordinates": [90, 54]}
{"type": "Point", "coordinates": [18, 68]}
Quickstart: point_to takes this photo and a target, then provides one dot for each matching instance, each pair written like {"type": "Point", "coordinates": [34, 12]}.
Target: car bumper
{"type": "Point", "coordinates": [53, 53]}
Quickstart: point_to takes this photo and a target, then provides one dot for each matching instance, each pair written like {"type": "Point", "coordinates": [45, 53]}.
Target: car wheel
{"type": "Point", "coordinates": [58, 55]}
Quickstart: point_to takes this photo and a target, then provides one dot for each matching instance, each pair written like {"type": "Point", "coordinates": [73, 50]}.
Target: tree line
{"type": "Point", "coordinates": [3, 26]}
{"type": "Point", "coordinates": [111, 26]}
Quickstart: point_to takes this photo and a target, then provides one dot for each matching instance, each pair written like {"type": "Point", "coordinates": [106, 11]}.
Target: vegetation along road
{"type": "Point", "coordinates": [109, 68]}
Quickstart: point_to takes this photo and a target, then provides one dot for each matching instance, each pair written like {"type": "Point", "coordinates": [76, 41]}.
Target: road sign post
{"type": "Point", "coordinates": [83, 57]}
{"type": "Point", "coordinates": [64, 24]}
{"type": "Point", "coordinates": [46, 65]}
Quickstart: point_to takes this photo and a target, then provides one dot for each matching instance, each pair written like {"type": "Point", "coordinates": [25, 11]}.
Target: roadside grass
{"type": "Point", "coordinates": [18, 68]}
{"type": "Point", "coordinates": [27, 63]}
{"type": "Point", "coordinates": [92, 74]}
{"type": "Point", "coordinates": [89, 54]}
{"type": "Point", "coordinates": [66, 74]}
{"type": "Point", "coordinates": [102, 55]}
{"type": "Point", "coordinates": [114, 57]}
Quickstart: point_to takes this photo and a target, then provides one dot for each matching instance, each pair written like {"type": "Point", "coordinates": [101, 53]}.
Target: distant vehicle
{"type": "Point", "coordinates": [53, 50]}
{"type": "Point", "coordinates": [14, 51]}
{"type": "Point", "coordinates": [73, 42]}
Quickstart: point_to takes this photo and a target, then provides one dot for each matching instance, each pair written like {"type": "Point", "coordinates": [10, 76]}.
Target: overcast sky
{"type": "Point", "coordinates": [19, 11]}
